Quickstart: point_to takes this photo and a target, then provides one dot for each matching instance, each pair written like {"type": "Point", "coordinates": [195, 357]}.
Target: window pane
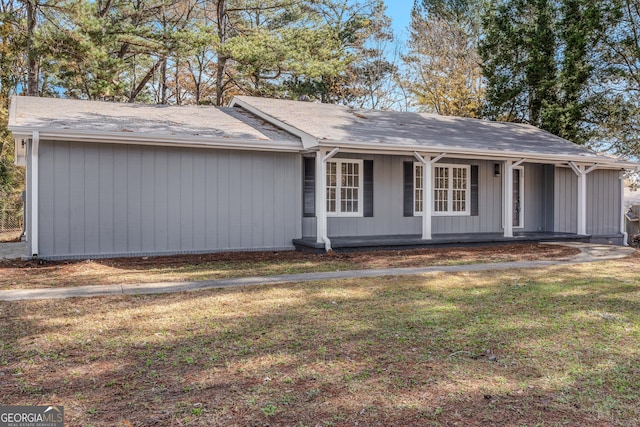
{"type": "Point", "coordinates": [459, 187]}
{"type": "Point", "coordinates": [349, 179]}
{"type": "Point", "coordinates": [331, 199]}
{"type": "Point", "coordinates": [331, 174]}
{"type": "Point", "coordinates": [441, 187]}
{"type": "Point", "coordinates": [417, 185]}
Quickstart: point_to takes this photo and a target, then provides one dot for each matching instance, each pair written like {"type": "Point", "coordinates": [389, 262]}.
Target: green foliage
{"type": "Point", "coordinates": [540, 61]}
{"type": "Point", "coordinates": [519, 61]}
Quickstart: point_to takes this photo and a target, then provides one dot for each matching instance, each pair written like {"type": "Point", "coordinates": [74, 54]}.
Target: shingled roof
{"type": "Point", "coordinates": [273, 124]}
{"type": "Point", "coordinates": [328, 124]}
{"type": "Point", "coordinates": [79, 118]}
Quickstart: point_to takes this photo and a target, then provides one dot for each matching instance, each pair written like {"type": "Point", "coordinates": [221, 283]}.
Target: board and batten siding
{"type": "Point", "coordinates": [111, 199]}
{"type": "Point", "coordinates": [603, 202]}
{"type": "Point", "coordinates": [566, 201]}
{"type": "Point", "coordinates": [538, 197]}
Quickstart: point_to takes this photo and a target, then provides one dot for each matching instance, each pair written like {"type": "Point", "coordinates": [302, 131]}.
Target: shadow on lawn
{"type": "Point", "coordinates": [471, 348]}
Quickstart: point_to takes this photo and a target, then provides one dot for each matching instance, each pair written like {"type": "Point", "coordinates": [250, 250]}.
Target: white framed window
{"type": "Point", "coordinates": [451, 189]}
{"type": "Point", "coordinates": [344, 187]}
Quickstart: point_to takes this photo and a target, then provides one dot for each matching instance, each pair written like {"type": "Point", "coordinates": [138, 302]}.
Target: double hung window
{"type": "Point", "coordinates": [344, 187]}
{"type": "Point", "coordinates": [451, 184]}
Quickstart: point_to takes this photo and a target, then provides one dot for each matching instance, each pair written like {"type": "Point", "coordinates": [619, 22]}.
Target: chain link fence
{"type": "Point", "coordinates": [10, 220]}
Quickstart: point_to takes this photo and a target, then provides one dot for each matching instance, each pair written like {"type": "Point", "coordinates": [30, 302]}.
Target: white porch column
{"type": "Point", "coordinates": [582, 173]}
{"type": "Point", "coordinates": [321, 197]}
{"type": "Point", "coordinates": [508, 198]}
{"type": "Point", "coordinates": [427, 198]}
{"type": "Point", "coordinates": [427, 193]}
{"type": "Point", "coordinates": [322, 235]}
{"type": "Point", "coordinates": [35, 148]}
{"type": "Point", "coordinates": [582, 202]}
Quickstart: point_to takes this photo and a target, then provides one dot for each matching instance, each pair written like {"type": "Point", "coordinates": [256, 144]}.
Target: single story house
{"type": "Point", "coordinates": [107, 179]}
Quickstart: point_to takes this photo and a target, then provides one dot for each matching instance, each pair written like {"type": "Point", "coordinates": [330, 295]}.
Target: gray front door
{"type": "Point", "coordinates": [517, 197]}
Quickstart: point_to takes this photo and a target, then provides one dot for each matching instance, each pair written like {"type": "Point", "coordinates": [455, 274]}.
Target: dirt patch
{"type": "Point", "coordinates": [10, 236]}
{"type": "Point", "coordinates": [18, 274]}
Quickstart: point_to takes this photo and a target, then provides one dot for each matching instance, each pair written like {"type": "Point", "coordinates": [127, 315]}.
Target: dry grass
{"type": "Point", "coordinates": [10, 236]}
{"type": "Point", "coordinates": [28, 274]}
{"type": "Point", "coordinates": [545, 347]}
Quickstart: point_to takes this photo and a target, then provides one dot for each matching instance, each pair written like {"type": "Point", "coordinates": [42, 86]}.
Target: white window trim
{"type": "Point", "coordinates": [338, 212]}
{"type": "Point", "coordinates": [466, 212]}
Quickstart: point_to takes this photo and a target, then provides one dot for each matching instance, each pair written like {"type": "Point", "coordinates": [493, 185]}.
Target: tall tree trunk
{"type": "Point", "coordinates": [222, 18]}
{"type": "Point", "coordinates": [177, 77]}
{"type": "Point", "coordinates": [163, 83]}
{"type": "Point", "coordinates": [32, 60]}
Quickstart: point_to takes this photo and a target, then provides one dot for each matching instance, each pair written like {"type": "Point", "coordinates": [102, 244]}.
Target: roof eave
{"type": "Point", "coordinates": [603, 161]}
{"type": "Point", "coordinates": [158, 140]}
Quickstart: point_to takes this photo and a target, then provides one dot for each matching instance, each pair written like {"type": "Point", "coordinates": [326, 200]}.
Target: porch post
{"type": "Point", "coordinates": [582, 173]}
{"type": "Point", "coordinates": [582, 202]}
{"type": "Point", "coordinates": [35, 156]}
{"type": "Point", "coordinates": [427, 193]}
{"type": "Point", "coordinates": [508, 198]}
{"type": "Point", "coordinates": [321, 197]}
{"type": "Point", "coordinates": [427, 198]}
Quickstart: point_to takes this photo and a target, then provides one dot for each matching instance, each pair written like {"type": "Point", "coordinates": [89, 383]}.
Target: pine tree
{"type": "Point", "coordinates": [539, 62]}
{"type": "Point", "coordinates": [443, 64]}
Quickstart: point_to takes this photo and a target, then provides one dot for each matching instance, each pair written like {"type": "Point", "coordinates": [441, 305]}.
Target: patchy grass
{"type": "Point", "coordinates": [15, 274]}
{"type": "Point", "coordinates": [545, 347]}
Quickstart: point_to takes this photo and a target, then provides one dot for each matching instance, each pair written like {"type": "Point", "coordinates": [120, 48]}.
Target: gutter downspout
{"type": "Point", "coordinates": [321, 226]}
{"type": "Point", "coordinates": [623, 228]}
{"type": "Point", "coordinates": [35, 145]}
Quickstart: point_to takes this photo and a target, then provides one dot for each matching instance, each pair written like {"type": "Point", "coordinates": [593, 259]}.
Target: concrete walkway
{"type": "Point", "coordinates": [589, 253]}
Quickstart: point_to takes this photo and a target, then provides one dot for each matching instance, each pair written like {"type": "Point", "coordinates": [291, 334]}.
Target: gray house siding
{"type": "Point", "coordinates": [106, 199]}
{"type": "Point", "coordinates": [603, 203]}
{"type": "Point", "coordinates": [387, 217]}
{"type": "Point", "coordinates": [566, 201]}
{"type": "Point", "coordinates": [538, 197]}
{"type": "Point", "coordinates": [489, 219]}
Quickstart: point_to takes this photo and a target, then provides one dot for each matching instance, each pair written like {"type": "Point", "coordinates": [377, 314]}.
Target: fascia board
{"type": "Point", "coordinates": [308, 141]}
{"type": "Point", "coordinates": [150, 139]}
{"type": "Point", "coordinates": [545, 158]}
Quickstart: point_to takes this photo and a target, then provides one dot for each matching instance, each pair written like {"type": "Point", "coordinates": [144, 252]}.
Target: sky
{"type": "Point", "coordinates": [400, 12]}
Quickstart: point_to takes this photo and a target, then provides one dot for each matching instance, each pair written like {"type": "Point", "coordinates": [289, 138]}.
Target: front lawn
{"type": "Point", "coordinates": [546, 347]}
{"type": "Point", "coordinates": [16, 274]}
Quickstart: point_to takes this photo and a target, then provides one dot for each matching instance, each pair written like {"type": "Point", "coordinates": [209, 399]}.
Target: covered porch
{"type": "Point", "coordinates": [499, 199]}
